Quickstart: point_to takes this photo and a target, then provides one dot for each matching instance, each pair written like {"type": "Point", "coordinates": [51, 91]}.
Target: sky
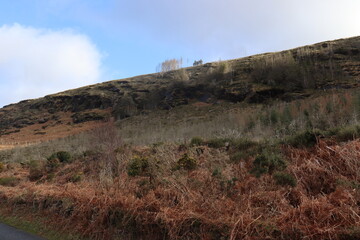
{"type": "Point", "coordinates": [48, 46]}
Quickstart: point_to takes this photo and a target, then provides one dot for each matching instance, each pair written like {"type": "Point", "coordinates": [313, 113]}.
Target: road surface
{"type": "Point", "coordinates": [10, 233]}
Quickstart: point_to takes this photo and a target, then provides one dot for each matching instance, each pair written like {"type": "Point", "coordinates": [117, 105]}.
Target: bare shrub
{"type": "Point", "coordinates": [106, 141]}
{"type": "Point", "coordinates": [169, 65]}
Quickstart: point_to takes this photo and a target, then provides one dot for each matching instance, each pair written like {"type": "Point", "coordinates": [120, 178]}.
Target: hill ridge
{"type": "Point", "coordinates": [285, 75]}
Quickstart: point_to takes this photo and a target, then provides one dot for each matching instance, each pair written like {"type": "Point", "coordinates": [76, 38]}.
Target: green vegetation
{"type": "Point", "coordinates": [267, 162]}
{"type": "Point", "coordinates": [9, 181]}
{"type": "Point", "coordinates": [37, 227]}
{"type": "Point", "coordinates": [348, 133]}
{"type": "Point", "coordinates": [238, 156]}
{"type": "Point", "coordinates": [186, 162]}
{"type": "Point", "coordinates": [192, 141]}
{"type": "Point", "coordinates": [36, 170]}
{"type": "Point", "coordinates": [76, 177]}
{"type": "Point", "coordinates": [304, 139]}
{"type": "Point", "coordinates": [218, 142]}
{"type": "Point", "coordinates": [197, 141]}
{"type": "Point", "coordinates": [283, 179]}
{"type": "Point", "coordinates": [138, 166]}
{"type": "Point", "coordinates": [62, 156]}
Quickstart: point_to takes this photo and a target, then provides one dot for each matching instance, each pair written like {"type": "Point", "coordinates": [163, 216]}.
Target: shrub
{"type": "Point", "coordinates": [64, 157]}
{"type": "Point", "coordinates": [36, 170]}
{"type": "Point", "coordinates": [283, 179]}
{"type": "Point", "coordinates": [217, 142]}
{"type": "Point", "coordinates": [267, 162]}
{"type": "Point", "coordinates": [9, 181]}
{"type": "Point", "coordinates": [197, 141]}
{"type": "Point", "coordinates": [304, 139]}
{"type": "Point", "coordinates": [279, 70]}
{"type": "Point", "coordinates": [244, 149]}
{"type": "Point", "coordinates": [348, 133]}
{"type": "Point", "coordinates": [77, 177]}
{"type": "Point", "coordinates": [216, 173]}
{"type": "Point", "coordinates": [187, 162]}
{"type": "Point", "coordinates": [169, 65]}
{"type": "Point", "coordinates": [138, 166]}
{"type": "Point", "coordinates": [243, 144]}
{"type": "Point", "coordinates": [227, 185]}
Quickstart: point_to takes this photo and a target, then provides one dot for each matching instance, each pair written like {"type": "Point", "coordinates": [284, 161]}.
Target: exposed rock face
{"type": "Point", "coordinates": [257, 79]}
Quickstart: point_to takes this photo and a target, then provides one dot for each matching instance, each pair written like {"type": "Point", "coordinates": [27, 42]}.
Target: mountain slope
{"type": "Point", "coordinates": [288, 75]}
{"type": "Point", "coordinates": [263, 147]}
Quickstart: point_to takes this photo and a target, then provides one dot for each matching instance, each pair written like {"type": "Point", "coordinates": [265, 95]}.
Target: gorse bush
{"type": "Point", "coordinates": [138, 166]}
{"type": "Point", "coordinates": [242, 149]}
{"type": "Point", "coordinates": [304, 139]}
{"type": "Point", "coordinates": [283, 179]}
{"type": "Point", "coordinates": [64, 157]}
{"type": "Point", "coordinates": [186, 162]}
{"type": "Point", "coordinates": [267, 162]}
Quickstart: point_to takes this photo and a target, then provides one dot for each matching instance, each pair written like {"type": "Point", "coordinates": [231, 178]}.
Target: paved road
{"type": "Point", "coordinates": [10, 233]}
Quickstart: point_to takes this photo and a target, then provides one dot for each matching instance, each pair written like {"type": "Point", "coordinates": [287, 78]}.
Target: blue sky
{"type": "Point", "coordinates": [47, 46]}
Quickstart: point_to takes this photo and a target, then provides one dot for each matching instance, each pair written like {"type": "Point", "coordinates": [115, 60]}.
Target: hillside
{"type": "Point", "coordinates": [288, 75]}
{"type": "Point", "coordinates": [262, 147]}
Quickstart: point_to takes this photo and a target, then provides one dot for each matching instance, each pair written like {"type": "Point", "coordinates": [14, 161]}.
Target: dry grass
{"type": "Point", "coordinates": [53, 129]}
{"type": "Point", "coordinates": [199, 204]}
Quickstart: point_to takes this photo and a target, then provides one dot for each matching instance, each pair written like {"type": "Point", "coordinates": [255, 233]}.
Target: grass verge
{"type": "Point", "coordinates": [36, 226]}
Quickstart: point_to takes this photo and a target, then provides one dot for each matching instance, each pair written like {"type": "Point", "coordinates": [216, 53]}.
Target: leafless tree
{"type": "Point", "coordinates": [169, 65]}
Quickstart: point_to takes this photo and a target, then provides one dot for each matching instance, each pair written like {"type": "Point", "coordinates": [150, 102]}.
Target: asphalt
{"type": "Point", "coordinates": [11, 233]}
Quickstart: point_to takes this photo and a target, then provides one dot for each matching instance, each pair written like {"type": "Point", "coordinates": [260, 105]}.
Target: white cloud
{"type": "Point", "coordinates": [226, 28]}
{"type": "Point", "coordinates": [36, 62]}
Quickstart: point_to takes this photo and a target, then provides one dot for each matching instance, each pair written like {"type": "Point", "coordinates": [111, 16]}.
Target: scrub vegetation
{"type": "Point", "coordinates": [265, 147]}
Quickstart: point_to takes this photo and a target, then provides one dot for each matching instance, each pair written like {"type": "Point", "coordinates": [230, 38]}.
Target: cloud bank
{"type": "Point", "coordinates": [36, 62]}
{"type": "Point", "coordinates": [231, 28]}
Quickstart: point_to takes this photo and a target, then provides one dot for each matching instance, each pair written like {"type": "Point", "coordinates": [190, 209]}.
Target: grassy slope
{"type": "Point", "coordinates": [286, 76]}
{"type": "Point", "coordinates": [263, 185]}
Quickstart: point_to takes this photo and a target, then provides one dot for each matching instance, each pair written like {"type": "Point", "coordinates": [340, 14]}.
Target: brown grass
{"type": "Point", "coordinates": [196, 204]}
{"type": "Point", "coordinates": [53, 129]}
